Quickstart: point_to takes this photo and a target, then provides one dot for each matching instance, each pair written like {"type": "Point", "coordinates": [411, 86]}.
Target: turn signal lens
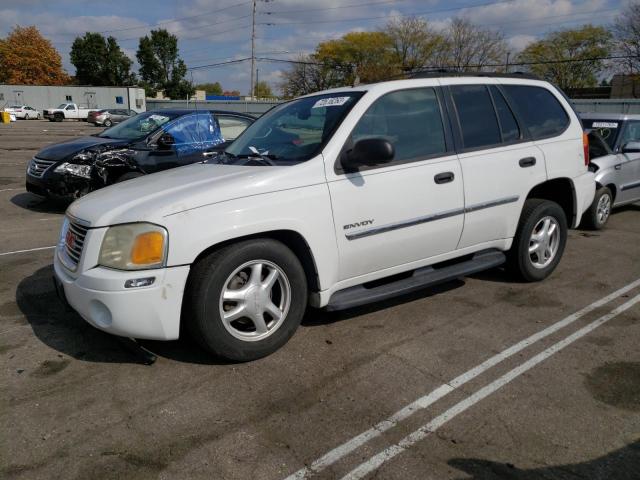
{"type": "Point", "coordinates": [147, 248]}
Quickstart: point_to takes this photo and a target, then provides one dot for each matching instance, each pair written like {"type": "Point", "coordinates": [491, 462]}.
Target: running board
{"type": "Point", "coordinates": [419, 279]}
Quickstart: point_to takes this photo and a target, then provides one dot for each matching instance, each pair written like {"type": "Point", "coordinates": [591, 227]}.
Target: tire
{"type": "Point", "coordinates": [38, 116]}
{"type": "Point", "coordinates": [598, 214]}
{"type": "Point", "coordinates": [128, 176]}
{"type": "Point", "coordinates": [538, 214]}
{"type": "Point", "coordinates": [232, 268]}
{"type": "Point", "coordinates": [59, 117]}
{"type": "Point", "coordinates": [107, 123]}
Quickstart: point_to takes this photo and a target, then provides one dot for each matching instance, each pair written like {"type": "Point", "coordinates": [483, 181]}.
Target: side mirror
{"type": "Point", "coordinates": [631, 147]}
{"type": "Point", "coordinates": [166, 141]}
{"type": "Point", "coordinates": [368, 152]}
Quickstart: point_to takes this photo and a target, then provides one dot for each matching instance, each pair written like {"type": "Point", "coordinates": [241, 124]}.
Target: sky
{"type": "Point", "coordinates": [214, 31]}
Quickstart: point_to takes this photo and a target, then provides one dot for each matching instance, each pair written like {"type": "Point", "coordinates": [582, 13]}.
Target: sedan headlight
{"type": "Point", "coordinates": [134, 246]}
{"type": "Point", "coordinates": [83, 171]}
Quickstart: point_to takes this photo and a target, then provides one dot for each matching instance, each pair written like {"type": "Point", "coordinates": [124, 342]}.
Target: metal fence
{"type": "Point", "coordinates": [256, 108]}
{"type": "Point", "coordinates": [622, 105]}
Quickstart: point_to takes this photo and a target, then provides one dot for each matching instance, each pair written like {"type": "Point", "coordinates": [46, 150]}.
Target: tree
{"type": "Point", "coordinates": [161, 68]}
{"type": "Point", "coordinates": [468, 47]}
{"type": "Point", "coordinates": [306, 75]}
{"type": "Point", "coordinates": [26, 57]}
{"type": "Point", "coordinates": [627, 35]}
{"type": "Point", "coordinates": [263, 90]}
{"type": "Point", "coordinates": [210, 88]}
{"type": "Point", "coordinates": [231, 93]}
{"type": "Point", "coordinates": [414, 43]}
{"type": "Point", "coordinates": [100, 61]}
{"type": "Point", "coordinates": [569, 58]}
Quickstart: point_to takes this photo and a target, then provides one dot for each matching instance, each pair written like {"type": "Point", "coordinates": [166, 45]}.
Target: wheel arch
{"type": "Point", "coordinates": [610, 186]}
{"type": "Point", "coordinates": [292, 239]}
{"type": "Point", "coordinates": [559, 190]}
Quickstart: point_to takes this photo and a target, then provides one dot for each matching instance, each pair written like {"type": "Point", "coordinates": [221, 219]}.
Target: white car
{"type": "Point", "coordinates": [334, 200]}
{"type": "Point", "coordinates": [24, 112]}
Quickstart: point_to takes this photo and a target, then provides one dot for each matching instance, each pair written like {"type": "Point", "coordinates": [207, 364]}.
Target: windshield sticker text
{"type": "Point", "coordinates": [331, 102]}
{"type": "Point", "coordinates": [604, 125]}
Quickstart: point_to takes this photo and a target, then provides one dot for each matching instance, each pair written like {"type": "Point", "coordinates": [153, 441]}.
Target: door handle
{"type": "Point", "coordinates": [444, 177]}
{"type": "Point", "coordinates": [209, 154]}
{"type": "Point", "coordinates": [618, 166]}
{"type": "Point", "coordinates": [527, 162]}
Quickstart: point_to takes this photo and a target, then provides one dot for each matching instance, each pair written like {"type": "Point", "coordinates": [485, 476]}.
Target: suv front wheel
{"type": "Point", "coordinates": [246, 300]}
{"type": "Point", "coordinates": [540, 240]}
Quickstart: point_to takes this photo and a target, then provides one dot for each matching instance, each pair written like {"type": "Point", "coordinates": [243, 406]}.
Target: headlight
{"type": "Point", "coordinates": [83, 171]}
{"type": "Point", "coordinates": [134, 246]}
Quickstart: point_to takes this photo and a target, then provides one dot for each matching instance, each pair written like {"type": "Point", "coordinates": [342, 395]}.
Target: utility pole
{"type": "Point", "coordinates": [506, 65]}
{"type": "Point", "coordinates": [253, 50]}
{"type": "Point", "coordinates": [257, 77]}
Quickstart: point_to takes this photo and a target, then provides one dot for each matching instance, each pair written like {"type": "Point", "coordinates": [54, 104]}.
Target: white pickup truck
{"type": "Point", "coordinates": [66, 111]}
{"type": "Point", "coordinates": [332, 200]}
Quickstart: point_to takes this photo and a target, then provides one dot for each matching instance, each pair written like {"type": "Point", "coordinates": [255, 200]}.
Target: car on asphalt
{"type": "Point", "coordinates": [616, 163]}
{"type": "Point", "coordinates": [109, 116]}
{"type": "Point", "coordinates": [24, 112]}
{"type": "Point", "coordinates": [145, 143]}
{"type": "Point", "coordinates": [66, 111]}
{"type": "Point", "coordinates": [333, 200]}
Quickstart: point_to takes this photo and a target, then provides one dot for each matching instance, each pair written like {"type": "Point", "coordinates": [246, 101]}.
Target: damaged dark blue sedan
{"type": "Point", "coordinates": [147, 143]}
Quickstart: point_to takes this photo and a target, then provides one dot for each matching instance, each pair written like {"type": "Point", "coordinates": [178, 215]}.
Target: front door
{"type": "Point", "coordinates": [405, 211]}
{"type": "Point", "coordinates": [630, 168]}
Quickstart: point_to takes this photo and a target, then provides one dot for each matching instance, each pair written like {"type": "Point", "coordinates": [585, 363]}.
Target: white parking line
{"type": "Point", "coordinates": [10, 189]}
{"type": "Point", "coordinates": [421, 403]}
{"type": "Point", "coordinates": [390, 452]}
{"type": "Point", "coordinates": [26, 251]}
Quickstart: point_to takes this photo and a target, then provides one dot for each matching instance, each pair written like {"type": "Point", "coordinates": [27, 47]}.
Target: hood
{"type": "Point", "coordinates": [61, 151]}
{"type": "Point", "coordinates": [153, 197]}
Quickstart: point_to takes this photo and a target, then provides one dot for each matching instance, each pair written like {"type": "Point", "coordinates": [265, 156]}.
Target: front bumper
{"type": "Point", "coordinates": [57, 185]}
{"type": "Point", "coordinates": [99, 296]}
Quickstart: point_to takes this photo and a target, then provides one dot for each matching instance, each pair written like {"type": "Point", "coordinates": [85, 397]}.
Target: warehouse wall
{"type": "Point", "coordinates": [42, 96]}
{"type": "Point", "coordinates": [256, 108]}
{"type": "Point", "coordinates": [608, 106]}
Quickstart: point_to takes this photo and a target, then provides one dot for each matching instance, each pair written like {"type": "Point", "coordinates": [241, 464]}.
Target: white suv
{"type": "Point", "coordinates": [334, 200]}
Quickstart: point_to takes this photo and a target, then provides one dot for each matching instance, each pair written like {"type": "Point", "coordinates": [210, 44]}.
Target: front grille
{"type": "Point", "coordinates": [37, 167]}
{"type": "Point", "coordinates": [74, 243]}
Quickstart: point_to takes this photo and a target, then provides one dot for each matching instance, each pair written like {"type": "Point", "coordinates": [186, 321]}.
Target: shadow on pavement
{"type": "Point", "coordinates": [622, 464]}
{"type": "Point", "coordinates": [65, 331]}
{"type": "Point", "coordinates": [32, 202]}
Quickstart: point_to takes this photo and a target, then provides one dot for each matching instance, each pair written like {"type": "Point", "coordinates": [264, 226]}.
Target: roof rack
{"type": "Point", "coordinates": [455, 73]}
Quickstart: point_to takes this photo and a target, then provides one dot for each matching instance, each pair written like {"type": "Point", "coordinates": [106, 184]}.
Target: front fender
{"type": "Point", "coordinates": [305, 210]}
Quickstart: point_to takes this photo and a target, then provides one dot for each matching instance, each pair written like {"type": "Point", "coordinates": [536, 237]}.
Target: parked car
{"type": "Point", "coordinates": [24, 112]}
{"type": "Point", "coordinates": [66, 111]}
{"type": "Point", "coordinates": [108, 116]}
{"type": "Point", "coordinates": [616, 163]}
{"type": "Point", "coordinates": [335, 199]}
{"type": "Point", "coordinates": [143, 144]}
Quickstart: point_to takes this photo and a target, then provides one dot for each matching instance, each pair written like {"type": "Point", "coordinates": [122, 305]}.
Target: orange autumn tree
{"type": "Point", "coordinates": [27, 58]}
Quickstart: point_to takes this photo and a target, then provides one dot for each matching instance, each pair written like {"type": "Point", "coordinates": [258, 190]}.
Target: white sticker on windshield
{"type": "Point", "coordinates": [331, 102]}
{"type": "Point", "coordinates": [604, 125]}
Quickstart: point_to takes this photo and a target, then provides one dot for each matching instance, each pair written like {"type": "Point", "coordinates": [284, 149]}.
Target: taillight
{"type": "Point", "coordinates": [585, 145]}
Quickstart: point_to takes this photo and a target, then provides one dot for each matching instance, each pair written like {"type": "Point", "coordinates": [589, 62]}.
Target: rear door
{"type": "Point", "coordinates": [411, 209]}
{"type": "Point", "coordinates": [630, 171]}
{"type": "Point", "coordinates": [499, 161]}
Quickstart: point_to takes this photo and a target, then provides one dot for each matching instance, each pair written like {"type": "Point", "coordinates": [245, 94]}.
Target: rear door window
{"type": "Point", "coordinates": [477, 116]}
{"type": "Point", "coordinates": [540, 110]}
{"type": "Point", "coordinates": [508, 124]}
{"type": "Point", "coordinates": [607, 129]}
{"type": "Point", "coordinates": [409, 119]}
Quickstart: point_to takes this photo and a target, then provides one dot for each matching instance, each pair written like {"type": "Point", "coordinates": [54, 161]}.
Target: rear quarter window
{"type": "Point", "coordinates": [540, 110]}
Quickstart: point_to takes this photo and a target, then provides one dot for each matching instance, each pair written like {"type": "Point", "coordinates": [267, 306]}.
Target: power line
{"type": "Point", "coordinates": [368, 4]}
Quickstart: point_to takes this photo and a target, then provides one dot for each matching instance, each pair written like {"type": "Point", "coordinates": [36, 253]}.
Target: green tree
{"type": "Point", "coordinates": [569, 58]}
{"type": "Point", "coordinates": [100, 61]}
{"type": "Point", "coordinates": [26, 57]}
{"type": "Point", "coordinates": [161, 67]}
{"type": "Point", "coordinates": [211, 88]}
{"type": "Point", "coordinates": [263, 90]}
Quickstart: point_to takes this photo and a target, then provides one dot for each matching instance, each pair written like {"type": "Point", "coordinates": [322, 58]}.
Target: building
{"type": "Point", "coordinates": [41, 97]}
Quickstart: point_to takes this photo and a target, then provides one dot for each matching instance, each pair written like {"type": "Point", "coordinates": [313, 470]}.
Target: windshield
{"type": "Point", "coordinates": [607, 129]}
{"type": "Point", "coordinates": [16, 106]}
{"type": "Point", "coordinates": [294, 131]}
{"type": "Point", "coordinates": [62, 105]}
{"type": "Point", "coordinates": [139, 126]}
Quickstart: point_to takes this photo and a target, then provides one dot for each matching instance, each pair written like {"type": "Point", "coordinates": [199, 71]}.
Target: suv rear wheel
{"type": "Point", "coordinates": [540, 240]}
{"type": "Point", "coordinates": [246, 300]}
